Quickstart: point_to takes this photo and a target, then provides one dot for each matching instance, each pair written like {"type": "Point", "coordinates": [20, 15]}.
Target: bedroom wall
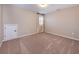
{"type": "Point", "coordinates": [1, 26]}
{"type": "Point", "coordinates": [25, 19]}
{"type": "Point", "coordinates": [63, 22]}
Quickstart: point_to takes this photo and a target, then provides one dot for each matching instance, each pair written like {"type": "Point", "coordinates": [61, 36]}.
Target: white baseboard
{"type": "Point", "coordinates": [19, 37]}
{"type": "Point", "coordinates": [25, 35]}
{"type": "Point", "coordinates": [64, 36]}
{"type": "Point", "coordinates": [36, 33]}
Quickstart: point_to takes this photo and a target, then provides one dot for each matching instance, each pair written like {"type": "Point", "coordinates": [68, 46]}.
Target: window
{"type": "Point", "coordinates": [41, 19]}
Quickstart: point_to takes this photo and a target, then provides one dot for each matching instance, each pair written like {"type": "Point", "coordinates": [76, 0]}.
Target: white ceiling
{"type": "Point", "coordinates": [50, 8]}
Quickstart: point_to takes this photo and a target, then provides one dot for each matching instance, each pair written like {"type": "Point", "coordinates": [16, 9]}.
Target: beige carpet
{"type": "Point", "coordinates": [42, 43]}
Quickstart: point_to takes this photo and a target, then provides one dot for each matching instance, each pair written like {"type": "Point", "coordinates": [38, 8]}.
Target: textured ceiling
{"type": "Point", "coordinates": [50, 8]}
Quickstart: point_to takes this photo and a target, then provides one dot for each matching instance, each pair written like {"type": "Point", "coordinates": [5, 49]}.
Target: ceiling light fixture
{"type": "Point", "coordinates": [43, 5]}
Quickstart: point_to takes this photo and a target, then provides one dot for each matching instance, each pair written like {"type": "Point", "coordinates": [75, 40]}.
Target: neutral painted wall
{"type": "Point", "coordinates": [25, 19]}
{"type": "Point", "coordinates": [1, 25]}
{"type": "Point", "coordinates": [63, 22]}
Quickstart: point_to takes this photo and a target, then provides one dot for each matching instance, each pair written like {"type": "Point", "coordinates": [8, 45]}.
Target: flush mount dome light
{"type": "Point", "coordinates": [43, 5]}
